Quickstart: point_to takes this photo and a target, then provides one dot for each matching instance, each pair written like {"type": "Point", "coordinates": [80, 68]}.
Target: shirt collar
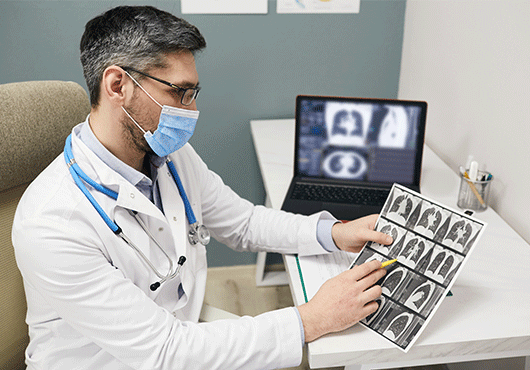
{"type": "Point", "coordinates": [135, 177]}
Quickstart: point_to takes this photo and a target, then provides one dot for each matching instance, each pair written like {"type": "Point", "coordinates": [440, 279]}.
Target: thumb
{"type": "Point", "coordinates": [379, 237]}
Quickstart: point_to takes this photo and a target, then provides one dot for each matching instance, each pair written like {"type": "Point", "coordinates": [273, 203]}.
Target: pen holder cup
{"type": "Point", "coordinates": [474, 195]}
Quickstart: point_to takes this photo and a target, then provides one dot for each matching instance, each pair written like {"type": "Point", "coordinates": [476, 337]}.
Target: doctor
{"type": "Point", "coordinates": [99, 236]}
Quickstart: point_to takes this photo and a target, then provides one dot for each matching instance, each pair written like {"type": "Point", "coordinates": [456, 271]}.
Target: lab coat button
{"type": "Point", "coordinates": [132, 195]}
{"type": "Point", "coordinates": [160, 229]}
{"type": "Point", "coordinates": [174, 218]}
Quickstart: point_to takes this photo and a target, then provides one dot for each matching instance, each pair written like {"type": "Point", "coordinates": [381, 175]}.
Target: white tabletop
{"type": "Point", "coordinates": [488, 315]}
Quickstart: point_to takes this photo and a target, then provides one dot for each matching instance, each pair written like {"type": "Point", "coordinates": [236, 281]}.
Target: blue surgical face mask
{"type": "Point", "coordinates": [175, 127]}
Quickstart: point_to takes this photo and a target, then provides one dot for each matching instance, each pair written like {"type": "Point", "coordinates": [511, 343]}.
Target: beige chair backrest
{"type": "Point", "coordinates": [35, 119]}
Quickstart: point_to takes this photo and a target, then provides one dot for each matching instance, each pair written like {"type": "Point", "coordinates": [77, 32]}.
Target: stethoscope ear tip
{"type": "Point", "coordinates": [154, 286]}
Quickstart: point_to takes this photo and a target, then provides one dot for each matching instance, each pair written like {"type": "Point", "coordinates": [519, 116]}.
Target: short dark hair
{"type": "Point", "coordinates": [137, 36]}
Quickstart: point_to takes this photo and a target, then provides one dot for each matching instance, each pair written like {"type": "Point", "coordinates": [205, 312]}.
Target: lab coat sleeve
{"type": "Point", "coordinates": [243, 226]}
{"type": "Point", "coordinates": [64, 263]}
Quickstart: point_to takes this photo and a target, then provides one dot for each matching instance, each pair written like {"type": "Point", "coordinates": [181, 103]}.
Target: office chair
{"type": "Point", "coordinates": [35, 119]}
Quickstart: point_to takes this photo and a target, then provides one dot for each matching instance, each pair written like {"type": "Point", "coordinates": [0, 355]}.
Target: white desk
{"type": "Point", "coordinates": [488, 316]}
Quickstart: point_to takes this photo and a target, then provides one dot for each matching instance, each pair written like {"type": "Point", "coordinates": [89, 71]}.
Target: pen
{"type": "Point", "coordinates": [474, 189]}
{"type": "Point", "coordinates": [388, 263]}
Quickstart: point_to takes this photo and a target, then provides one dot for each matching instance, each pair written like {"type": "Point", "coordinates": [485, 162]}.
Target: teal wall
{"type": "Point", "coordinates": [253, 68]}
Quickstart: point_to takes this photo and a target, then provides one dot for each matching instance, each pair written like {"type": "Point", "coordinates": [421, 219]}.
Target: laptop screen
{"type": "Point", "coordinates": [371, 140]}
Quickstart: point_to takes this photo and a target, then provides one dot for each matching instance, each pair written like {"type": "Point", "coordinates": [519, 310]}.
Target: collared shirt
{"type": "Point", "coordinates": [142, 182]}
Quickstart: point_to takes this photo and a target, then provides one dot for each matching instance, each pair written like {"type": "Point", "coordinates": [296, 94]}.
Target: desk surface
{"type": "Point", "coordinates": [487, 317]}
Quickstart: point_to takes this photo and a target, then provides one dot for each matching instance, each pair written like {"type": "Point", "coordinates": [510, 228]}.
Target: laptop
{"type": "Point", "coordinates": [349, 152]}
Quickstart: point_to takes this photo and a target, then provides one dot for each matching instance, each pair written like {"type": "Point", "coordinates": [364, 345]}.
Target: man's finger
{"type": "Point", "coordinates": [372, 293]}
{"type": "Point", "coordinates": [372, 278]}
{"type": "Point", "coordinates": [360, 271]}
{"type": "Point", "coordinates": [371, 307]}
{"type": "Point", "coordinates": [378, 237]}
{"type": "Point", "coordinates": [371, 220]}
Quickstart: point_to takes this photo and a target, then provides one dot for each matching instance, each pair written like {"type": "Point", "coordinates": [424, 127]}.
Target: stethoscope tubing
{"type": "Point", "coordinates": [189, 211]}
{"type": "Point", "coordinates": [79, 176]}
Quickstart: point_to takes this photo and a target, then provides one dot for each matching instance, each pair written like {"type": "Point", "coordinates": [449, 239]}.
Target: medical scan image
{"type": "Point", "coordinates": [350, 140]}
{"type": "Point", "coordinates": [430, 244]}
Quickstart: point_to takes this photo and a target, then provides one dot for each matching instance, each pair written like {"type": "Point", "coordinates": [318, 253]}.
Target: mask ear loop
{"type": "Point", "coordinates": [149, 95]}
{"type": "Point", "coordinates": [132, 119]}
{"type": "Point", "coordinates": [144, 90]}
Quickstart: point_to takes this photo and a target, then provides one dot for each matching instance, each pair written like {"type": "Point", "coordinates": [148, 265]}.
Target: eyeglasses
{"type": "Point", "coordinates": [186, 95]}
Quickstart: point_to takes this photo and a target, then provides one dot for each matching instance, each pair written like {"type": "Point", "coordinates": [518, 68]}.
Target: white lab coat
{"type": "Point", "coordinates": [89, 302]}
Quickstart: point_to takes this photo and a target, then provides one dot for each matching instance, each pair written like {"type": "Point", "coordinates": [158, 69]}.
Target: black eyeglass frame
{"type": "Point", "coordinates": [181, 90]}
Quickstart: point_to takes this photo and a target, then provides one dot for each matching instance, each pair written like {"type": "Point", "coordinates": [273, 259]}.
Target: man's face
{"type": "Point", "coordinates": [182, 72]}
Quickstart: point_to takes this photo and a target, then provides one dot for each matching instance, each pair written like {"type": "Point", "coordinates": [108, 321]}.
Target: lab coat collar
{"type": "Point", "coordinates": [129, 196]}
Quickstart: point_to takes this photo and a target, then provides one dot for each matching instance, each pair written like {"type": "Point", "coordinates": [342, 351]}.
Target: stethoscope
{"type": "Point", "coordinates": [198, 233]}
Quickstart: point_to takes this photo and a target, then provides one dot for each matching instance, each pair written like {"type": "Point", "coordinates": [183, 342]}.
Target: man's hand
{"type": "Point", "coordinates": [351, 236]}
{"type": "Point", "coordinates": [342, 301]}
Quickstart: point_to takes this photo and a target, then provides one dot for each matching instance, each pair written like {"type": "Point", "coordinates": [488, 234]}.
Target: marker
{"type": "Point", "coordinates": [388, 263]}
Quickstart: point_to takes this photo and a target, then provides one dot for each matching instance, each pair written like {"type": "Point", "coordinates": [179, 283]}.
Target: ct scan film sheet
{"type": "Point", "coordinates": [431, 244]}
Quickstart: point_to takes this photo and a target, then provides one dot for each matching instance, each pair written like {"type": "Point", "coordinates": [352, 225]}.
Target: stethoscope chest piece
{"type": "Point", "coordinates": [198, 234]}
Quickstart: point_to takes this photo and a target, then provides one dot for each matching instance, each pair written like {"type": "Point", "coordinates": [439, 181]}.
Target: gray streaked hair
{"type": "Point", "coordinates": [134, 36]}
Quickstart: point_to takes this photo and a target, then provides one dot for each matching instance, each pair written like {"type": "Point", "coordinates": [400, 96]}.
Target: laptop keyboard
{"type": "Point", "coordinates": [340, 194]}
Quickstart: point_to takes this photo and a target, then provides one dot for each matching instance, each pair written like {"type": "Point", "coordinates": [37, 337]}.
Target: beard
{"type": "Point", "coordinates": [133, 134]}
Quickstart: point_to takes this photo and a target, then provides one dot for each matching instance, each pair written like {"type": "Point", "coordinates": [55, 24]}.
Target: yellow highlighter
{"type": "Point", "coordinates": [388, 263]}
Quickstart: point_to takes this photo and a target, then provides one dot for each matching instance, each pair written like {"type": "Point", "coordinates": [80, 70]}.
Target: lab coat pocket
{"type": "Point", "coordinates": [168, 294]}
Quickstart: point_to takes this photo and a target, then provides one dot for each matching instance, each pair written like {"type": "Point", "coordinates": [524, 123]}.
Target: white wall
{"type": "Point", "coordinates": [470, 60]}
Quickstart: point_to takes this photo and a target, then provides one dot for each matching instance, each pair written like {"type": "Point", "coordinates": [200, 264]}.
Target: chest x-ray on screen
{"type": "Point", "coordinates": [358, 141]}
